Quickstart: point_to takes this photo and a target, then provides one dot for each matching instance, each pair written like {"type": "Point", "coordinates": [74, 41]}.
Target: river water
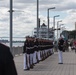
{"type": "Point", "coordinates": [15, 44]}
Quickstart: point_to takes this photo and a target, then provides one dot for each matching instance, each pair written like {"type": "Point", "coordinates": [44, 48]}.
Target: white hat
{"type": "Point", "coordinates": [62, 36]}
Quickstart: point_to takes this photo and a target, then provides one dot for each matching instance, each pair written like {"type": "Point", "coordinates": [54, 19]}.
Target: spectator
{"type": "Point", "coordinates": [74, 43]}
{"type": "Point", "coordinates": [7, 66]}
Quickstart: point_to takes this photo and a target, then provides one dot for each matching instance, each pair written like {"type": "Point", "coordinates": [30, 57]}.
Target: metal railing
{"type": "Point", "coordinates": [17, 51]}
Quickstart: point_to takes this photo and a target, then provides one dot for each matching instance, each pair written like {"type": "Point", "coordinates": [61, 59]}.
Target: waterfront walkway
{"type": "Point", "coordinates": [50, 66]}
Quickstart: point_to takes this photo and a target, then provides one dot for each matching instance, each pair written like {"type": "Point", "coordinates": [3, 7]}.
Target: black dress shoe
{"type": "Point", "coordinates": [60, 63]}
{"type": "Point", "coordinates": [33, 64]}
{"type": "Point", "coordinates": [26, 69]}
{"type": "Point", "coordinates": [31, 67]}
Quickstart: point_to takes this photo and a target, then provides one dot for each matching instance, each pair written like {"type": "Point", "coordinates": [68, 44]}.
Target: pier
{"type": "Point", "coordinates": [50, 65]}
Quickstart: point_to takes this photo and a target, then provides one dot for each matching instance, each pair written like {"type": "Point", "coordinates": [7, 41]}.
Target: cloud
{"type": "Point", "coordinates": [25, 1]}
{"type": "Point", "coordinates": [63, 5]}
{"type": "Point", "coordinates": [24, 15]}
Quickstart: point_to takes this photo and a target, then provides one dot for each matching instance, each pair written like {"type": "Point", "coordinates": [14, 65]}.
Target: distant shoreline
{"type": "Point", "coordinates": [15, 44]}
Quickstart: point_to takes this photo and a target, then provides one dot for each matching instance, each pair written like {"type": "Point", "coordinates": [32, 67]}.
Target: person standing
{"type": "Point", "coordinates": [31, 52]}
{"type": "Point", "coordinates": [74, 43]}
{"type": "Point", "coordinates": [25, 67]}
{"type": "Point", "coordinates": [35, 51]}
{"type": "Point", "coordinates": [60, 47]}
{"type": "Point", "coordinates": [7, 65]}
{"type": "Point", "coordinates": [28, 52]}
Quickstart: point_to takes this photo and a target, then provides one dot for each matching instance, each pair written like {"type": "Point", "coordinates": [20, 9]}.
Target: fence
{"type": "Point", "coordinates": [17, 51]}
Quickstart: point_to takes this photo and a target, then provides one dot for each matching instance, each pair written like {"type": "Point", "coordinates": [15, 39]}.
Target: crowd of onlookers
{"type": "Point", "coordinates": [73, 44]}
{"type": "Point", "coordinates": [67, 44]}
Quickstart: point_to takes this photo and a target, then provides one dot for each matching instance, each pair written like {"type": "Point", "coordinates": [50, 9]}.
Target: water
{"type": "Point", "coordinates": [15, 44]}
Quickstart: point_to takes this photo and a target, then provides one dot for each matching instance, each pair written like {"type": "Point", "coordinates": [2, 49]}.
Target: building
{"type": "Point", "coordinates": [43, 32]}
{"type": "Point", "coordinates": [65, 34]}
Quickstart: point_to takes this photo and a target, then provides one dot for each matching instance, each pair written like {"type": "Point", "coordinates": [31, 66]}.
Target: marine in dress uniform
{"type": "Point", "coordinates": [51, 47]}
{"type": "Point", "coordinates": [27, 54]}
{"type": "Point", "coordinates": [60, 47]}
{"type": "Point", "coordinates": [41, 49]}
{"type": "Point", "coordinates": [35, 51]}
{"type": "Point", "coordinates": [25, 67]}
{"type": "Point", "coordinates": [31, 52]}
{"type": "Point", "coordinates": [38, 50]}
{"type": "Point", "coordinates": [7, 65]}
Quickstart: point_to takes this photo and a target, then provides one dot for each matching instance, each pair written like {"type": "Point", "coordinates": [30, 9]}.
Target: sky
{"type": "Point", "coordinates": [25, 12]}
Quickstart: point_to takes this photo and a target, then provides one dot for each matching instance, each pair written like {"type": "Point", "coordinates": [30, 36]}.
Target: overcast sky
{"type": "Point", "coordinates": [24, 17]}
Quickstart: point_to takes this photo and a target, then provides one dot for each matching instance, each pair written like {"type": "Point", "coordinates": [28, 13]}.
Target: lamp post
{"type": "Point", "coordinates": [48, 18]}
{"type": "Point", "coordinates": [58, 28]}
{"type": "Point", "coordinates": [54, 25]}
{"type": "Point", "coordinates": [54, 20]}
{"type": "Point", "coordinates": [11, 23]}
{"type": "Point", "coordinates": [37, 18]}
{"type": "Point", "coordinates": [11, 10]}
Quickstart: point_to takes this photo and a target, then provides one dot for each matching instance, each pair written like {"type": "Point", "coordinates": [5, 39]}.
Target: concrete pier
{"type": "Point", "coordinates": [50, 66]}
